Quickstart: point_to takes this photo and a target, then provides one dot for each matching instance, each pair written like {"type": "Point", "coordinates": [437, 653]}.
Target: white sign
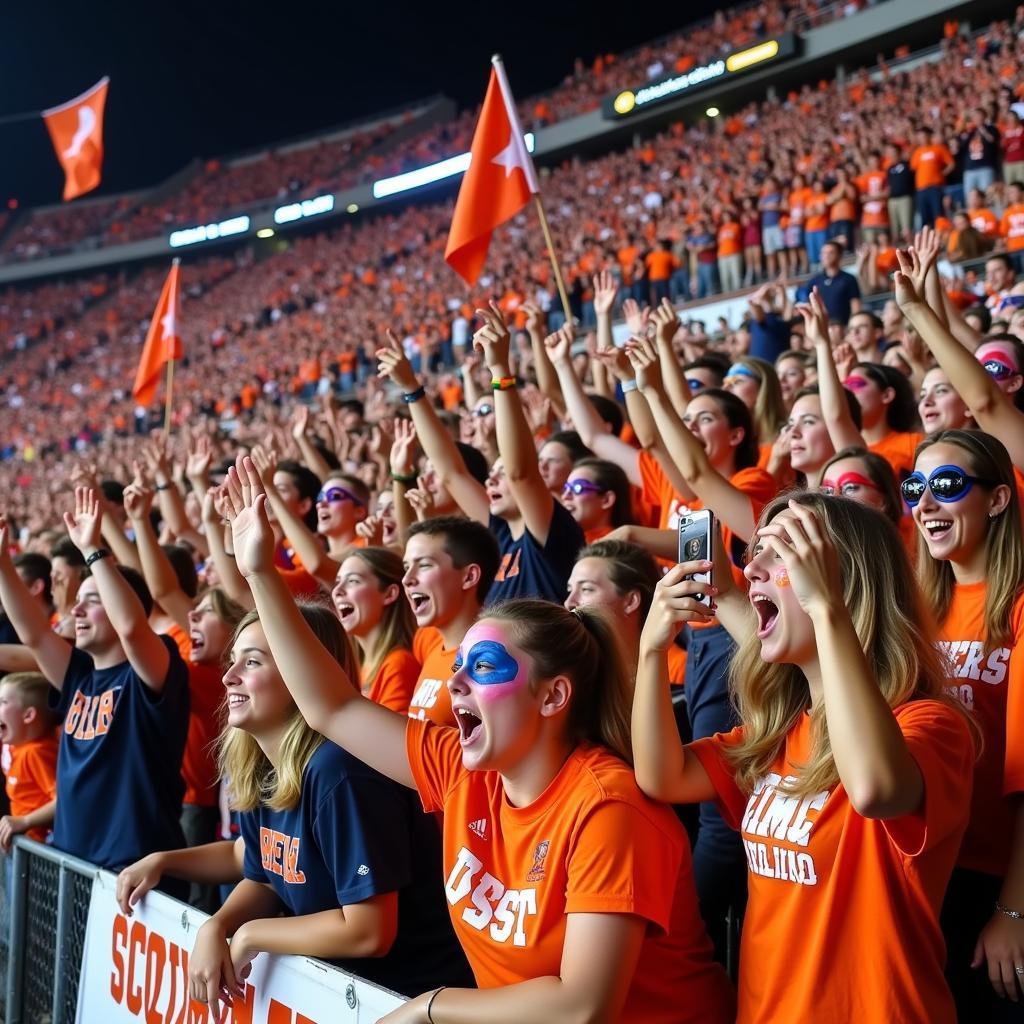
{"type": "Point", "coordinates": [136, 969]}
{"type": "Point", "coordinates": [208, 232]}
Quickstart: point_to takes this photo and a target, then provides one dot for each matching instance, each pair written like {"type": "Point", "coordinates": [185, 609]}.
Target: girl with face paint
{"type": "Point", "coordinates": [965, 503]}
{"type": "Point", "coordinates": [555, 867]}
{"type": "Point", "coordinates": [848, 752]}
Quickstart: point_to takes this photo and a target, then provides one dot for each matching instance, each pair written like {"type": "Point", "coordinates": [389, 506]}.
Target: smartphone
{"type": "Point", "coordinates": [696, 537]}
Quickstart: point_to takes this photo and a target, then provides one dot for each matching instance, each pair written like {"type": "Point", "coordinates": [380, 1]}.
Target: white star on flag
{"type": "Point", "coordinates": [512, 156]}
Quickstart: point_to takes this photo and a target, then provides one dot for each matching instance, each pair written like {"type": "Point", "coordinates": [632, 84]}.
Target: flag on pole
{"type": "Point", "coordinates": [76, 130]}
{"type": "Point", "coordinates": [163, 340]}
{"type": "Point", "coordinates": [498, 184]}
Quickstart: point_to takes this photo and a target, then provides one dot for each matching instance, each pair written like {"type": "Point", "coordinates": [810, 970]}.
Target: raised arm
{"type": "Point", "coordinates": [52, 654]}
{"type": "Point", "coordinates": [729, 503]}
{"type": "Point", "coordinates": [469, 494]}
{"type": "Point", "coordinates": [664, 769]}
{"type": "Point", "coordinates": [666, 324]}
{"type": "Point", "coordinates": [227, 572]}
{"type": "Point", "coordinates": [310, 453]}
{"type": "Point", "coordinates": [169, 499]}
{"type": "Point", "coordinates": [605, 291]}
{"type": "Point", "coordinates": [547, 379]}
{"type": "Point", "coordinates": [834, 407]}
{"type": "Point", "coordinates": [993, 410]}
{"type": "Point", "coordinates": [329, 701]}
{"type": "Point", "coordinates": [403, 476]}
{"type": "Point", "coordinates": [157, 570]}
{"type": "Point", "coordinates": [515, 439]}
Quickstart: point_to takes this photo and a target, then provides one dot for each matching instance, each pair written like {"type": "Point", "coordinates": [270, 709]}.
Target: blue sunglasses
{"type": "Point", "coordinates": [947, 484]}
{"type": "Point", "coordinates": [333, 495]}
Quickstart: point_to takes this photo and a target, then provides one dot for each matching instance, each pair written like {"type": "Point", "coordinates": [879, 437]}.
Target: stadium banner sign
{"type": "Point", "coordinates": [307, 208]}
{"type": "Point", "coordinates": [209, 232]}
{"type": "Point", "coordinates": [136, 969]}
{"type": "Point", "coordinates": [704, 76]}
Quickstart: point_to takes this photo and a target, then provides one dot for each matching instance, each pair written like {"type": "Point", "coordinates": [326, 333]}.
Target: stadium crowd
{"type": "Point", "coordinates": [704, 633]}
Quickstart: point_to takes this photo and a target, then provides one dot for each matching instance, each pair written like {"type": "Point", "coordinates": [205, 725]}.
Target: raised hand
{"type": "Point", "coordinates": [617, 362]}
{"type": "Point", "coordinates": [245, 507]}
{"type": "Point", "coordinates": [538, 408]}
{"type": "Point", "coordinates": [536, 319]}
{"type": "Point", "coordinates": [403, 447]}
{"type": "Point", "coordinates": [665, 321]}
{"type": "Point", "coordinates": [392, 362]}
{"type": "Point", "coordinates": [83, 525]}
{"type": "Point", "coordinates": [815, 318]}
{"type": "Point", "coordinates": [372, 530]}
{"type": "Point", "coordinates": [643, 357]}
{"type": "Point", "coordinates": [605, 291]}
{"type": "Point", "coordinates": [136, 880]}
{"type": "Point", "coordinates": [845, 359]}
{"type": "Point", "coordinates": [420, 500]}
{"type": "Point", "coordinates": [493, 338]}
{"type": "Point", "coordinates": [5, 542]}
{"type": "Point", "coordinates": [300, 421]}
{"type": "Point", "coordinates": [199, 458]}
{"type": "Point", "coordinates": [559, 344]}
{"type": "Point", "coordinates": [636, 318]}
{"type": "Point", "coordinates": [675, 602]}
{"type": "Point", "coordinates": [908, 281]}
{"type": "Point", "coordinates": [798, 537]}
{"type": "Point", "coordinates": [265, 461]}
{"type": "Point", "coordinates": [138, 498]}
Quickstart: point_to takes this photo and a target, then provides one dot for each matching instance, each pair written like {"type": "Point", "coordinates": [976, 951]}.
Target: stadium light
{"type": "Point", "coordinates": [712, 111]}
{"type": "Point", "coordinates": [431, 173]}
{"type": "Point", "coordinates": [352, 208]}
{"type": "Point", "coordinates": [265, 233]}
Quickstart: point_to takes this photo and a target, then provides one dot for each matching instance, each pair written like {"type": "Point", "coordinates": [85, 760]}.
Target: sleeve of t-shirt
{"type": "Point", "coordinates": [621, 862]}
{"type": "Point", "coordinates": [435, 757]}
{"type": "Point", "coordinates": [940, 743]}
{"type": "Point", "coordinates": [654, 484]}
{"type": "Point", "coordinates": [710, 751]}
{"type": "Point", "coordinates": [361, 827]}
{"type": "Point", "coordinates": [397, 681]}
{"type": "Point", "coordinates": [80, 667]}
{"type": "Point", "coordinates": [1013, 766]}
{"type": "Point", "coordinates": [565, 537]}
{"type": "Point", "coordinates": [252, 862]}
{"type": "Point", "coordinates": [174, 692]}
{"type": "Point", "coordinates": [41, 767]}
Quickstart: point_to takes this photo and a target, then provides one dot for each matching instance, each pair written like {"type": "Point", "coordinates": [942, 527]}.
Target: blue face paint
{"type": "Point", "coordinates": [499, 665]}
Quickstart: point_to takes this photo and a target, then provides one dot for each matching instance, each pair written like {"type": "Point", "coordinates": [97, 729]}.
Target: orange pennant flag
{"type": "Point", "coordinates": [163, 340]}
{"type": "Point", "coordinates": [76, 130]}
{"type": "Point", "coordinates": [498, 184]}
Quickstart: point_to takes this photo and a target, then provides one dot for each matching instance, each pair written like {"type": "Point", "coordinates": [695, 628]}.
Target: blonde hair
{"type": "Point", "coordinates": [397, 621]}
{"type": "Point", "coordinates": [891, 620]}
{"type": "Point", "coordinates": [253, 779]}
{"type": "Point", "coordinates": [33, 691]}
{"type": "Point", "coordinates": [1004, 539]}
{"type": "Point", "coordinates": [769, 412]}
{"type": "Point", "coordinates": [581, 645]}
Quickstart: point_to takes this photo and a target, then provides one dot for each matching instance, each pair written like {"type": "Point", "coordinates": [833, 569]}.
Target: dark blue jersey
{"type": "Point", "coordinates": [119, 784]}
{"type": "Point", "coordinates": [355, 834]}
{"type": "Point", "coordinates": [529, 569]}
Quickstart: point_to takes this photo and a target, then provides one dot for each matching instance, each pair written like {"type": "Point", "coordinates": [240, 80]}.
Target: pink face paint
{"type": "Point", "coordinates": [489, 664]}
{"type": "Point", "coordinates": [781, 577]}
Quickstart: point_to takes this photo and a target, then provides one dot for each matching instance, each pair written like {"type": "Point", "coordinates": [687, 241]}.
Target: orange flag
{"type": "Point", "coordinates": [498, 183]}
{"type": "Point", "coordinates": [76, 130]}
{"type": "Point", "coordinates": [163, 340]}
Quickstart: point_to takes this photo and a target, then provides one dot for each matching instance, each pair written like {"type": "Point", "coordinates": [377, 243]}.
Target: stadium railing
{"type": "Point", "coordinates": [44, 938]}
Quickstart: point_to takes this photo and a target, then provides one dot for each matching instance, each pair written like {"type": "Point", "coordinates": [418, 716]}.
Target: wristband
{"type": "Point", "coordinates": [414, 396]}
{"type": "Point", "coordinates": [1015, 914]}
{"type": "Point", "coordinates": [404, 478]}
{"type": "Point", "coordinates": [504, 383]}
{"type": "Point", "coordinates": [96, 556]}
{"type": "Point", "coordinates": [162, 487]}
{"type": "Point", "coordinates": [430, 1002]}
{"type": "Point", "coordinates": [629, 385]}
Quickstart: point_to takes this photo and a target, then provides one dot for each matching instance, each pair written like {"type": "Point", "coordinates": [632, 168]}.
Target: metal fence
{"type": "Point", "coordinates": [44, 914]}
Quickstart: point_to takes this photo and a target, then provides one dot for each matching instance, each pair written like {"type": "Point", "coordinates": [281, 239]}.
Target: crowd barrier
{"type": "Point", "coordinates": [71, 957]}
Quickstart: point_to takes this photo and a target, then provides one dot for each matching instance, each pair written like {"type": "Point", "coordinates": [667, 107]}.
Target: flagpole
{"type": "Point", "coordinates": [170, 377]}
{"type": "Point", "coordinates": [557, 270]}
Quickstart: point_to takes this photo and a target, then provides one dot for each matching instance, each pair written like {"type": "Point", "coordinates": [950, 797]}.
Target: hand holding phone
{"type": "Point", "coordinates": [696, 543]}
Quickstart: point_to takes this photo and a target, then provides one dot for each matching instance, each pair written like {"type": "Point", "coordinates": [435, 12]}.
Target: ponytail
{"type": "Point", "coordinates": [582, 646]}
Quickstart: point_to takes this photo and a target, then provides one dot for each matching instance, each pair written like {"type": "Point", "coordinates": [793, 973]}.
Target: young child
{"type": "Point", "coordinates": [29, 757]}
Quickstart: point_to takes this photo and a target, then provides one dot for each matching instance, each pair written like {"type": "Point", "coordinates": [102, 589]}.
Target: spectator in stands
{"type": "Point", "coordinates": [931, 163]}
{"type": "Point", "coordinates": [839, 290]}
{"type": "Point", "coordinates": [750, 223]}
{"type": "Point", "coordinates": [773, 241]}
{"type": "Point", "coordinates": [1011, 224]}
{"type": "Point", "coordinates": [816, 233]}
{"type": "Point", "coordinates": [730, 252]}
{"type": "Point", "coordinates": [842, 210]}
{"type": "Point", "coordinates": [661, 264]}
{"type": "Point", "coordinates": [873, 188]}
{"type": "Point", "coordinates": [123, 697]}
{"type": "Point", "coordinates": [1000, 278]}
{"type": "Point", "coordinates": [978, 151]}
{"type": "Point", "coordinates": [519, 746]}
{"type": "Point", "coordinates": [704, 248]}
{"type": "Point", "coordinates": [1012, 145]}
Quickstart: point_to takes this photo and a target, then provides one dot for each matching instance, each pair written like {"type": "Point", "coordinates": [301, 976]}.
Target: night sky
{"type": "Point", "coordinates": [191, 78]}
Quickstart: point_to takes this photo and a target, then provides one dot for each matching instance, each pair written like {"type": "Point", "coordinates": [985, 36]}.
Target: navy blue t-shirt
{"type": "Point", "coordinates": [356, 834]}
{"type": "Point", "coordinates": [119, 784]}
{"type": "Point", "coordinates": [8, 634]}
{"type": "Point", "coordinates": [837, 293]}
{"type": "Point", "coordinates": [768, 340]}
{"type": "Point", "coordinates": [529, 570]}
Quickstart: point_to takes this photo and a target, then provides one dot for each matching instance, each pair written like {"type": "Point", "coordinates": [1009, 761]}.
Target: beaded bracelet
{"type": "Point", "coordinates": [504, 383]}
{"type": "Point", "coordinates": [414, 396]}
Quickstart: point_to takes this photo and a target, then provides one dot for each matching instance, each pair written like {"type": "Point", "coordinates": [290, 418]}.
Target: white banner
{"type": "Point", "coordinates": [136, 969]}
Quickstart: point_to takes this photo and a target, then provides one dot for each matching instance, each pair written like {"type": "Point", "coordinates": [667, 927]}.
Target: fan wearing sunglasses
{"type": "Point", "coordinates": [971, 565]}
{"type": "Point", "coordinates": [598, 497]}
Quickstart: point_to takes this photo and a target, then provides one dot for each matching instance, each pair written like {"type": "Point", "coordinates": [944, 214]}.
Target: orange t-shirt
{"type": "Point", "coordinates": [817, 212]}
{"type": "Point", "coordinates": [873, 211]}
{"type": "Point", "coordinates": [897, 448]}
{"type": "Point", "coordinates": [798, 200]}
{"type": "Point", "coordinates": [395, 681]}
{"type": "Point", "coordinates": [984, 221]}
{"type": "Point", "coordinates": [31, 770]}
{"type": "Point", "coordinates": [729, 240]}
{"type": "Point", "coordinates": [852, 901]}
{"type": "Point", "coordinates": [660, 265]}
{"type": "Point", "coordinates": [430, 698]}
{"type": "Point", "coordinates": [591, 843]}
{"type": "Point", "coordinates": [1011, 226]}
{"type": "Point", "coordinates": [928, 163]}
{"type": "Point", "coordinates": [206, 695]}
{"type": "Point", "coordinates": [988, 682]}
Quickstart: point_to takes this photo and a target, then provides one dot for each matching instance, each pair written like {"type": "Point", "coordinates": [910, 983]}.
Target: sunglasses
{"type": "Point", "coordinates": [333, 495]}
{"type": "Point", "coordinates": [579, 487]}
{"type": "Point", "coordinates": [947, 483]}
{"type": "Point", "coordinates": [483, 410]}
{"type": "Point", "coordinates": [998, 370]}
{"type": "Point", "coordinates": [847, 484]}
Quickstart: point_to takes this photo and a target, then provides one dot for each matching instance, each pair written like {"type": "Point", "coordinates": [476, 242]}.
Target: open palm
{"type": "Point", "coordinates": [245, 508]}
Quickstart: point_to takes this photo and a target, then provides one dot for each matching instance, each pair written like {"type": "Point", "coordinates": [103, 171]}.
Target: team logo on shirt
{"type": "Point", "coordinates": [536, 873]}
{"type": "Point", "coordinates": [775, 814]}
{"type": "Point", "coordinates": [504, 912]}
{"type": "Point", "coordinates": [279, 854]}
{"type": "Point", "coordinates": [479, 827]}
{"type": "Point", "coordinates": [968, 659]}
{"type": "Point", "coordinates": [89, 717]}
{"type": "Point", "coordinates": [424, 697]}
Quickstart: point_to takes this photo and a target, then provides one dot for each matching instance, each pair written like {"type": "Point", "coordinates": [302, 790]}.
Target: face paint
{"type": "Point", "coordinates": [781, 577]}
{"type": "Point", "coordinates": [488, 662]}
